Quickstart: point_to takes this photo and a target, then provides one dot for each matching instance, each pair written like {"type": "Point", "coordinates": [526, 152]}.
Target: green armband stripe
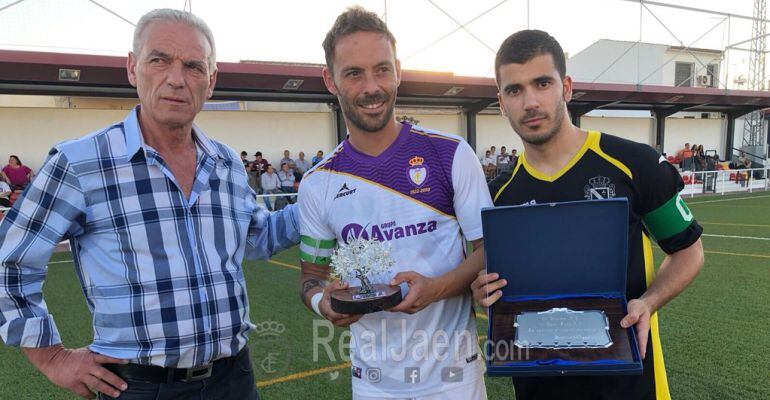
{"type": "Point", "coordinates": [322, 244]}
{"type": "Point", "coordinates": [671, 218]}
{"type": "Point", "coordinates": [316, 251]}
{"type": "Point", "coordinates": [322, 260]}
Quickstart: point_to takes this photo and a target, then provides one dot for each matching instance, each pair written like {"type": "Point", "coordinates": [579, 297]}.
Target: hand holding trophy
{"type": "Point", "coordinates": [361, 258]}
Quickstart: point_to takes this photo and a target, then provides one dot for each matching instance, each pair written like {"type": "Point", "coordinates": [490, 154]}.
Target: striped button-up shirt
{"type": "Point", "coordinates": [161, 271]}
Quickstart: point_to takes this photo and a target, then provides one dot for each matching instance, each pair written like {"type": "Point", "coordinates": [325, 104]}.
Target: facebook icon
{"type": "Point", "coordinates": [412, 375]}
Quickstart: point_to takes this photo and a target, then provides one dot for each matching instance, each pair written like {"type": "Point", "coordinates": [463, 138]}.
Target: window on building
{"type": "Point", "coordinates": [683, 74]}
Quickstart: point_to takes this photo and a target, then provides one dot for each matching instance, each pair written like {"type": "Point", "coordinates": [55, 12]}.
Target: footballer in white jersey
{"type": "Point", "coordinates": [423, 196]}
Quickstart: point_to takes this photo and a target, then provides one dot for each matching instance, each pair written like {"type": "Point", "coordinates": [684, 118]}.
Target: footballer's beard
{"type": "Point", "coordinates": [369, 123]}
{"type": "Point", "coordinates": [538, 139]}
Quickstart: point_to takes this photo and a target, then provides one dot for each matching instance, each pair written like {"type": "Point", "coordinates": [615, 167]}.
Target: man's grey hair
{"type": "Point", "coordinates": [171, 15]}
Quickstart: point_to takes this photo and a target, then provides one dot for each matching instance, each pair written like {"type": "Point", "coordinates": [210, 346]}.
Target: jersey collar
{"type": "Point", "coordinates": [591, 139]}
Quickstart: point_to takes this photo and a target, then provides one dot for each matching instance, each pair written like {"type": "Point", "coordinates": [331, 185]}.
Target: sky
{"type": "Point", "coordinates": [428, 32]}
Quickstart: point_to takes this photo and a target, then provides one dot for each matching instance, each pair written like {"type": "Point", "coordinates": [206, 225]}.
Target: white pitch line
{"type": "Point", "coordinates": [721, 200]}
{"type": "Point", "coordinates": [705, 234]}
{"type": "Point", "coordinates": [61, 262]}
{"type": "Point", "coordinates": [736, 237]}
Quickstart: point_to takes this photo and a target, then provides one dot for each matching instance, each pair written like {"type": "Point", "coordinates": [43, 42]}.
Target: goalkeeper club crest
{"type": "Point", "coordinates": [599, 187]}
{"type": "Point", "coordinates": [418, 171]}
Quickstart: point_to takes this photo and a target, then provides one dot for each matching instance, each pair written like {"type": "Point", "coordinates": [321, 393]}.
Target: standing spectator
{"type": "Point", "coordinates": [503, 159]}
{"type": "Point", "coordinates": [5, 194]}
{"type": "Point", "coordinates": [514, 158]}
{"type": "Point", "coordinates": [302, 166]}
{"type": "Point", "coordinates": [17, 174]}
{"type": "Point", "coordinates": [493, 151]}
{"type": "Point", "coordinates": [684, 156]}
{"type": "Point", "coordinates": [287, 160]}
{"type": "Point", "coordinates": [270, 185]}
{"type": "Point", "coordinates": [685, 152]}
{"type": "Point", "coordinates": [699, 157]}
{"type": "Point", "coordinates": [245, 159]}
{"type": "Point", "coordinates": [691, 159]}
{"type": "Point", "coordinates": [287, 179]}
{"type": "Point", "coordinates": [318, 157]}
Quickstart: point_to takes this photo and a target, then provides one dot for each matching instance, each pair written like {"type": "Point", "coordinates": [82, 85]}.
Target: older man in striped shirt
{"type": "Point", "coordinates": [159, 218]}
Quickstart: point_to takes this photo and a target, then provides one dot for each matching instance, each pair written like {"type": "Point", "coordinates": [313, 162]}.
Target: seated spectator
{"type": "Point", "coordinates": [489, 165]}
{"type": "Point", "coordinates": [270, 185]}
{"type": "Point", "coordinates": [743, 161]}
{"type": "Point", "coordinates": [254, 170]}
{"type": "Point", "coordinates": [302, 166]}
{"type": "Point", "coordinates": [259, 165]}
{"type": "Point", "coordinates": [318, 157]}
{"type": "Point", "coordinates": [17, 174]}
{"type": "Point", "coordinates": [287, 160]}
{"type": "Point", "coordinates": [287, 179]}
{"type": "Point", "coordinates": [5, 194]}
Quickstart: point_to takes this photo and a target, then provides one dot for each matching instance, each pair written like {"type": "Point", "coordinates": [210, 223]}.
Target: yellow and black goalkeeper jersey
{"type": "Point", "coordinates": [608, 167]}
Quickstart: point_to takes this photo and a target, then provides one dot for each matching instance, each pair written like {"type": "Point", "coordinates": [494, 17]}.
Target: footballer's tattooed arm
{"type": "Point", "coordinates": [314, 281]}
{"type": "Point", "coordinates": [307, 286]}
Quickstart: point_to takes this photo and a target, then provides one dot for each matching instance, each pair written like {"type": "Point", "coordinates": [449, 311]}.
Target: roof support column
{"type": "Point", "coordinates": [578, 111]}
{"type": "Point", "coordinates": [660, 115]}
{"type": "Point", "coordinates": [470, 128]}
{"type": "Point", "coordinates": [730, 134]}
{"type": "Point", "coordinates": [339, 123]}
{"type": "Point", "coordinates": [729, 137]}
{"type": "Point", "coordinates": [470, 112]}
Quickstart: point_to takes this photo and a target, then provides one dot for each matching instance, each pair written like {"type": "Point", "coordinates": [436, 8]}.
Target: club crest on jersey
{"type": "Point", "coordinates": [599, 187]}
{"type": "Point", "coordinates": [418, 171]}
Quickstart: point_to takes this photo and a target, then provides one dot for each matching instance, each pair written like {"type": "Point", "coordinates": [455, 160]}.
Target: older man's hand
{"type": "Point", "coordinates": [78, 370]}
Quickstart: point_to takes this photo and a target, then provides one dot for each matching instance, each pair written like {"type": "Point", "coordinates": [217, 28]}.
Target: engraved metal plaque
{"type": "Point", "coordinates": [562, 328]}
{"type": "Point", "coordinates": [366, 296]}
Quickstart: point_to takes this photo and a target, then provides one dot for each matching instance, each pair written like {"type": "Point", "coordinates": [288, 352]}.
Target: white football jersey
{"type": "Point", "coordinates": [421, 196]}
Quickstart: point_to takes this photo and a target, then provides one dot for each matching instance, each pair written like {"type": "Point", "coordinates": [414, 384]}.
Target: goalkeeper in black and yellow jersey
{"type": "Point", "coordinates": [561, 162]}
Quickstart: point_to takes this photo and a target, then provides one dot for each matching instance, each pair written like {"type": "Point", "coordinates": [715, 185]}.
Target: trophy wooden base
{"type": "Point", "coordinates": [504, 330]}
{"type": "Point", "coordinates": [349, 301]}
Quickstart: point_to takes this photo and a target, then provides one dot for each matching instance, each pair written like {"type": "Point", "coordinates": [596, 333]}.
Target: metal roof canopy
{"type": "Point", "coordinates": [37, 73]}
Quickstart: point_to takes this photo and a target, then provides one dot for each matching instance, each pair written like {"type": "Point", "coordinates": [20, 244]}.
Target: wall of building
{"type": "Point", "coordinates": [595, 62]}
{"type": "Point", "coordinates": [30, 132]}
{"type": "Point", "coordinates": [708, 132]}
{"type": "Point", "coordinates": [636, 129]}
{"type": "Point", "coordinates": [271, 132]}
{"type": "Point", "coordinates": [695, 58]}
{"type": "Point", "coordinates": [449, 123]}
{"type": "Point", "coordinates": [494, 130]}
{"type": "Point", "coordinates": [612, 61]}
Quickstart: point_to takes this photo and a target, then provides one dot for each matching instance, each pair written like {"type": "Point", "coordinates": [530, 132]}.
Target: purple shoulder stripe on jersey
{"type": "Point", "coordinates": [418, 165]}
